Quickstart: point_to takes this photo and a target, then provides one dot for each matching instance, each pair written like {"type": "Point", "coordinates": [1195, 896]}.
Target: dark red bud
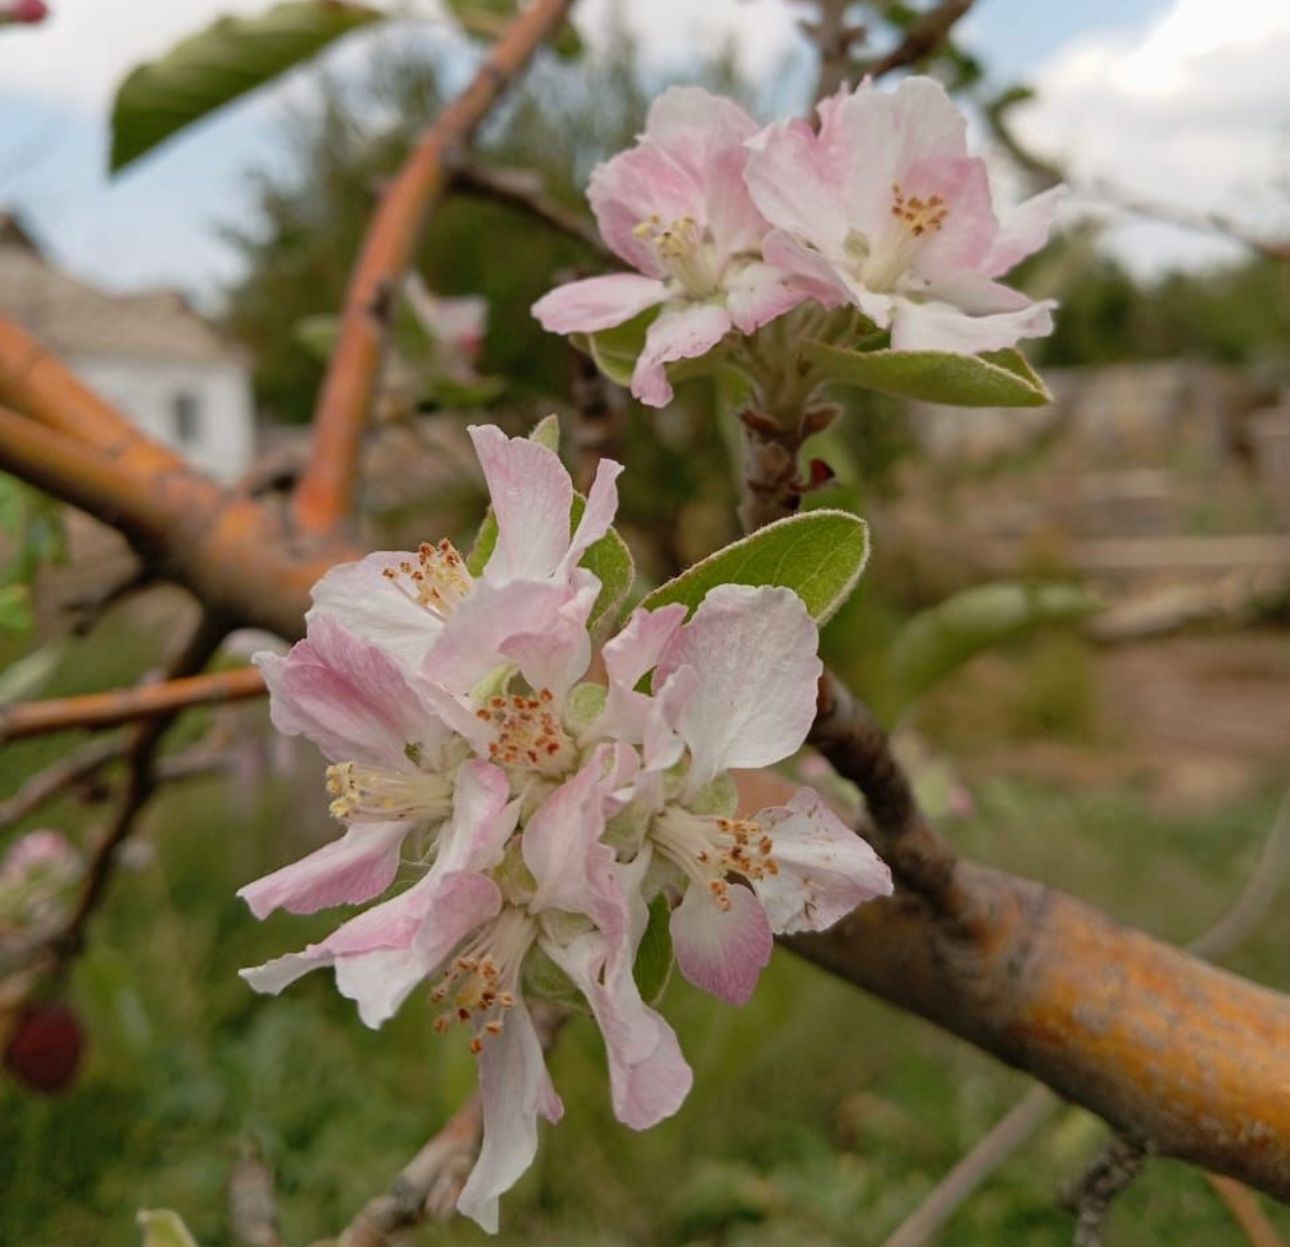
{"type": "Point", "coordinates": [44, 1051]}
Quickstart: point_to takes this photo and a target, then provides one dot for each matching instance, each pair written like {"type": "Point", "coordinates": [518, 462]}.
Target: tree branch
{"type": "Point", "coordinates": [524, 191]}
{"type": "Point", "coordinates": [923, 38]}
{"type": "Point", "coordinates": [325, 494]}
{"type": "Point", "coordinates": [160, 700]}
{"type": "Point", "coordinates": [140, 760]}
{"type": "Point", "coordinates": [44, 388]}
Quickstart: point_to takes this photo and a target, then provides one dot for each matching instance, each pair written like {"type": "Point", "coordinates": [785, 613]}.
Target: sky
{"type": "Point", "coordinates": [1181, 101]}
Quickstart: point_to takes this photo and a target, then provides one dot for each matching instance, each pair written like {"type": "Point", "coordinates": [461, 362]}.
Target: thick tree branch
{"type": "Point", "coordinates": [40, 385]}
{"type": "Point", "coordinates": [126, 705]}
{"type": "Point", "coordinates": [325, 493]}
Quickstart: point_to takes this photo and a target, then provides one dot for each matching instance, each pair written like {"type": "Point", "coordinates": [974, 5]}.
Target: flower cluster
{"type": "Point", "coordinates": [728, 226]}
{"type": "Point", "coordinates": [37, 874]}
{"type": "Point", "coordinates": [531, 819]}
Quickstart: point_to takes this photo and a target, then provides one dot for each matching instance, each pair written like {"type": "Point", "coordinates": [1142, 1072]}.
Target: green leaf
{"type": "Point", "coordinates": [233, 56]}
{"type": "Point", "coordinates": [317, 334]}
{"type": "Point", "coordinates": [819, 555]}
{"type": "Point", "coordinates": [615, 350]}
{"type": "Point", "coordinates": [547, 433]}
{"type": "Point", "coordinates": [654, 956]}
{"type": "Point", "coordinates": [164, 1228]}
{"type": "Point", "coordinates": [611, 561]}
{"type": "Point", "coordinates": [995, 379]}
{"type": "Point", "coordinates": [938, 641]}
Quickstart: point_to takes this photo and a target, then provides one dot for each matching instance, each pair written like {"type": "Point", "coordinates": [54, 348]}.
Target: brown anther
{"type": "Point", "coordinates": [476, 1046]}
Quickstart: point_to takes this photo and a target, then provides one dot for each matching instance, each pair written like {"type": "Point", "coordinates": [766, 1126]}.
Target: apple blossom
{"type": "Point", "coordinates": [676, 209]}
{"type": "Point", "coordinates": [884, 209]}
{"type": "Point", "coordinates": [544, 816]}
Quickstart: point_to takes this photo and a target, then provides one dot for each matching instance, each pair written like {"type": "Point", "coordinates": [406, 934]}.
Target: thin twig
{"type": "Point", "coordinates": [325, 494]}
{"type": "Point", "coordinates": [68, 772]}
{"type": "Point", "coordinates": [140, 781]}
{"type": "Point", "coordinates": [1243, 1204]}
{"type": "Point", "coordinates": [81, 769]}
{"type": "Point", "coordinates": [126, 705]}
{"type": "Point", "coordinates": [990, 1151]}
{"type": "Point", "coordinates": [922, 39]}
{"type": "Point", "coordinates": [834, 37]}
{"type": "Point", "coordinates": [525, 191]}
{"type": "Point", "coordinates": [1090, 1197]}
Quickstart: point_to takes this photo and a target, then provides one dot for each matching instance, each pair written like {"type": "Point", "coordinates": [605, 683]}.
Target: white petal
{"type": "Point", "coordinates": [372, 606]}
{"type": "Point", "coordinates": [1023, 230]}
{"type": "Point", "coordinates": [754, 652]}
{"type": "Point", "coordinates": [648, 1076]}
{"type": "Point", "coordinates": [825, 869]}
{"type": "Point", "coordinates": [531, 495]}
{"type": "Point", "coordinates": [515, 1087]}
{"type": "Point", "coordinates": [684, 332]}
{"type": "Point", "coordinates": [597, 303]}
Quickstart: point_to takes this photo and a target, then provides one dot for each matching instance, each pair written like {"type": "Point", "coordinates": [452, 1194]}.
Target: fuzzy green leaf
{"type": "Point", "coordinates": [230, 58]}
{"type": "Point", "coordinates": [995, 379]}
{"type": "Point", "coordinates": [819, 555]}
{"type": "Point", "coordinates": [615, 350]}
{"type": "Point", "coordinates": [938, 641]}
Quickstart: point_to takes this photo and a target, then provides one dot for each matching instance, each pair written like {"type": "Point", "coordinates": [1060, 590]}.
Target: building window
{"type": "Point", "coordinates": [186, 418]}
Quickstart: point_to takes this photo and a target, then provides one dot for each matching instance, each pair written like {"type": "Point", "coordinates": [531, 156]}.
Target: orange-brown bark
{"type": "Point", "coordinates": [125, 705]}
{"type": "Point", "coordinates": [325, 494]}
{"type": "Point", "coordinates": [1182, 1055]}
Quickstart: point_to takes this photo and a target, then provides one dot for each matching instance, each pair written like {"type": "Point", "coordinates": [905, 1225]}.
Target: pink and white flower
{"type": "Point", "coordinates": [676, 209]}
{"type": "Point", "coordinates": [413, 604]}
{"type": "Point", "coordinates": [737, 686]}
{"type": "Point", "coordinates": [884, 208]}
{"type": "Point", "coordinates": [543, 816]}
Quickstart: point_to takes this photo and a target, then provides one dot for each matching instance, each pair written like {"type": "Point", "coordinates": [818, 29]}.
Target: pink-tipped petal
{"type": "Point", "coordinates": [722, 950]}
{"type": "Point", "coordinates": [795, 188]}
{"type": "Point", "coordinates": [476, 633]}
{"type": "Point", "coordinates": [557, 657]}
{"type": "Point", "coordinates": [627, 657]}
{"type": "Point", "coordinates": [824, 869]}
{"type": "Point", "coordinates": [350, 697]}
{"type": "Point", "coordinates": [683, 332]}
{"type": "Point", "coordinates": [648, 1076]}
{"type": "Point", "coordinates": [636, 185]}
{"type": "Point", "coordinates": [597, 303]}
{"type": "Point", "coordinates": [969, 227]}
{"type": "Point", "coordinates": [531, 494]}
{"type": "Point", "coordinates": [1022, 231]}
{"type": "Point", "coordinates": [348, 871]}
{"type": "Point", "coordinates": [754, 650]}
{"type": "Point", "coordinates": [816, 277]}
{"type": "Point", "coordinates": [515, 1087]}
{"type": "Point", "coordinates": [574, 869]}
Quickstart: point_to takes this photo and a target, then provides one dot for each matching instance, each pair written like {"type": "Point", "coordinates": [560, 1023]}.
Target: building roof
{"type": "Point", "coordinates": [74, 319]}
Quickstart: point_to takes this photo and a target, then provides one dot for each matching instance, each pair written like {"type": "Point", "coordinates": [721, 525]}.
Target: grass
{"type": "Point", "coordinates": [819, 1116]}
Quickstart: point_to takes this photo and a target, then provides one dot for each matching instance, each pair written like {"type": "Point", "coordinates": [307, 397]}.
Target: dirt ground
{"type": "Point", "coordinates": [1196, 719]}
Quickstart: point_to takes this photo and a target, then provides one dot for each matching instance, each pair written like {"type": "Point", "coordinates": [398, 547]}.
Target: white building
{"type": "Point", "coordinates": [149, 354]}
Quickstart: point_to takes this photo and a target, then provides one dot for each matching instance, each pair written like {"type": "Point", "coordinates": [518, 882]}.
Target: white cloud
{"type": "Point", "coordinates": [1194, 111]}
